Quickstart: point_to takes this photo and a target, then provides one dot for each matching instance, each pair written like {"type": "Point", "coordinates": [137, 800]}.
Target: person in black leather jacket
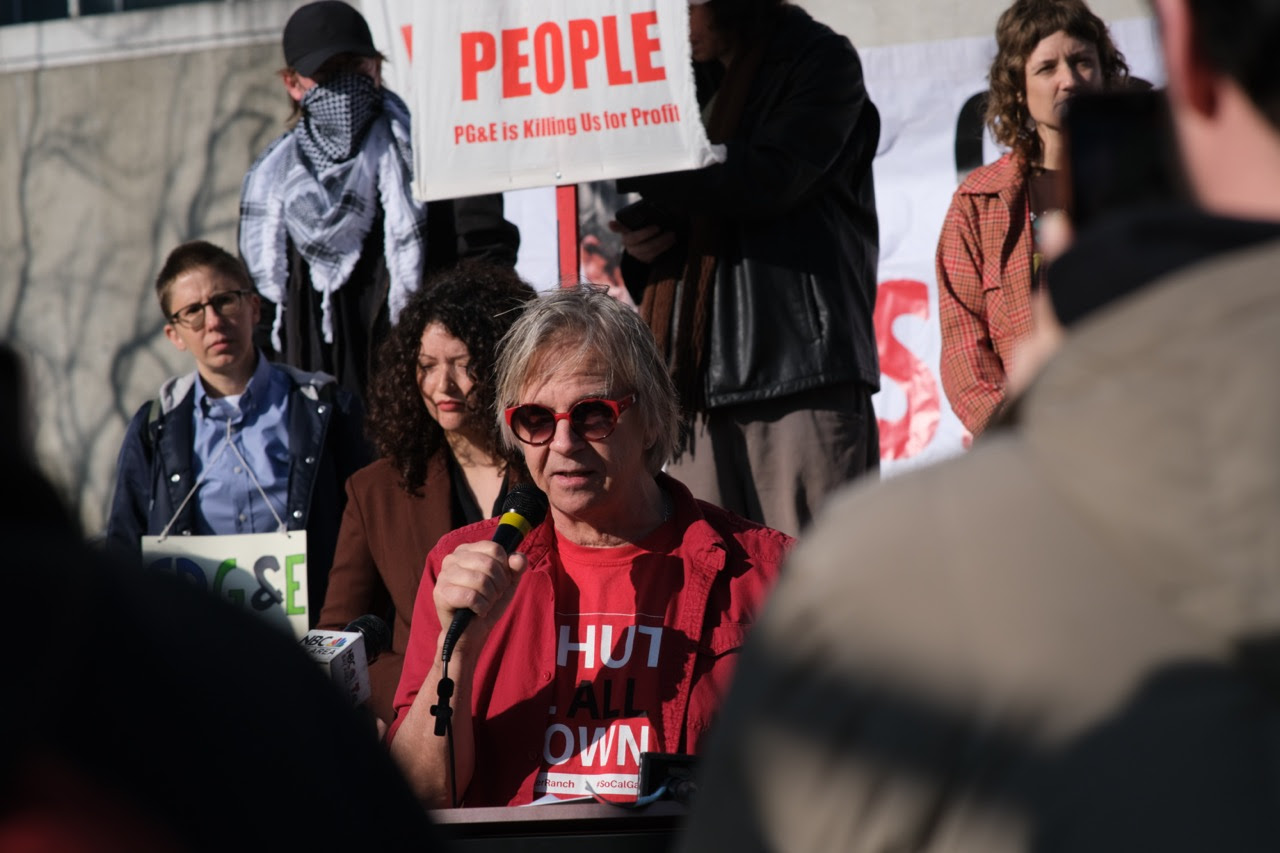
{"type": "Point", "coordinates": [758, 274]}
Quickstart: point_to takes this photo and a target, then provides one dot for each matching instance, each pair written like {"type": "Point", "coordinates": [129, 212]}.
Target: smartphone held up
{"type": "Point", "coordinates": [1121, 154]}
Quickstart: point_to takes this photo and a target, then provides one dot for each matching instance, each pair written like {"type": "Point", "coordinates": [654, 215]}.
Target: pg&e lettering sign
{"type": "Point", "coordinates": [264, 573]}
{"type": "Point", "coordinates": [507, 94]}
{"type": "Point", "coordinates": [581, 40]}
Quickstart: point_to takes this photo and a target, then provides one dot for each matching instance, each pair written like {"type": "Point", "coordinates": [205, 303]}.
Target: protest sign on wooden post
{"type": "Point", "coordinates": [508, 94]}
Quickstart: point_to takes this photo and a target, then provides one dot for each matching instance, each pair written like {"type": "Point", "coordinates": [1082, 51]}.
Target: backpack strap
{"type": "Point", "coordinates": [153, 415]}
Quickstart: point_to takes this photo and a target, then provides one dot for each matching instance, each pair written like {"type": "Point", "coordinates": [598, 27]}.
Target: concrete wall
{"type": "Point", "coordinates": [126, 134]}
{"type": "Point", "coordinates": [123, 136]}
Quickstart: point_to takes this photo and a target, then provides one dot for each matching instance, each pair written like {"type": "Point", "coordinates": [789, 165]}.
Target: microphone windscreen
{"type": "Point", "coordinates": [528, 501]}
{"type": "Point", "coordinates": [376, 632]}
{"type": "Point", "coordinates": [524, 508]}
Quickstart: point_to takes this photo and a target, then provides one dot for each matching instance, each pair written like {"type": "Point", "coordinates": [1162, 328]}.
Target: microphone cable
{"type": "Point", "coordinates": [523, 509]}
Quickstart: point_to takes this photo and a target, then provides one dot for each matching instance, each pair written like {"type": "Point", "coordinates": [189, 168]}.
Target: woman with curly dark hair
{"type": "Point", "coordinates": [988, 261]}
{"type": "Point", "coordinates": [444, 465]}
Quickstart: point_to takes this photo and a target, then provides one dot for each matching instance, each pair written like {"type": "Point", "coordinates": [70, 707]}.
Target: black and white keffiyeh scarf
{"type": "Point", "coordinates": [320, 185]}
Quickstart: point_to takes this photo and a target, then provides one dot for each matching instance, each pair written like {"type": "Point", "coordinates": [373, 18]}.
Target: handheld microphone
{"type": "Point", "coordinates": [345, 655]}
{"type": "Point", "coordinates": [376, 633]}
{"type": "Point", "coordinates": [523, 510]}
{"type": "Point", "coordinates": [341, 656]}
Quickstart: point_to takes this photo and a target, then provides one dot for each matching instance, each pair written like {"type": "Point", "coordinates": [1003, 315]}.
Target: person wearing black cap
{"type": "Point", "coordinates": [317, 32]}
{"type": "Point", "coordinates": [329, 228]}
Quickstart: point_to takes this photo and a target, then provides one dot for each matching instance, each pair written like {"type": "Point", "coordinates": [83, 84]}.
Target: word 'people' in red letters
{"type": "Point", "coordinates": [582, 41]}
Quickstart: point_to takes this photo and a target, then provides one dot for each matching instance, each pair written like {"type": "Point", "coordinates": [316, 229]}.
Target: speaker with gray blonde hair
{"type": "Point", "coordinates": [581, 328]}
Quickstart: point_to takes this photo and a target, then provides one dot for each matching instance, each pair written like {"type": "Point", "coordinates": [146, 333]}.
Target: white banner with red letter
{"type": "Point", "coordinates": [927, 97]}
{"type": "Point", "coordinates": [508, 94]}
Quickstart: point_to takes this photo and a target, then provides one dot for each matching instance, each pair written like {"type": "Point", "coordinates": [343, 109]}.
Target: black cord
{"type": "Point", "coordinates": [453, 771]}
{"type": "Point", "coordinates": [640, 802]}
{"type": "Point", "coordinates": [461, 619]}
{"type": "Point", "coordinates": [444, 726]}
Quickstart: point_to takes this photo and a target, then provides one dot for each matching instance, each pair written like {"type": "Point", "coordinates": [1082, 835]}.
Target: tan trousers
{"type": "Point", "coordinates": [776, 461]}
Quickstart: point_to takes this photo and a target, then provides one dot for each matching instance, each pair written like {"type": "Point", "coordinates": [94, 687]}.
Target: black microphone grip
{"type": "Point", "coordinates": [461, 619]}
{"type": "Point", "coordinates": [523, 510]}
{"type": "Point", "coordinates": [508, 537]}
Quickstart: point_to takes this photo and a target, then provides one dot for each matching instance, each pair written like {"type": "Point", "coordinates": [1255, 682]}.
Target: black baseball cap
{"type": "Point", "coordinates": [319, 31]}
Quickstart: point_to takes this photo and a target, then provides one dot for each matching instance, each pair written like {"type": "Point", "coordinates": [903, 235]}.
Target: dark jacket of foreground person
{"type": "Point", "coordinates": [143, 714]}
{"type": "Point", "coordinates": [1065, 640]}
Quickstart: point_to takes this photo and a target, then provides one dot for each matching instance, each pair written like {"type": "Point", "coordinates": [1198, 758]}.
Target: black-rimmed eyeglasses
{"type": "Point", "coordinates": [224, 304]}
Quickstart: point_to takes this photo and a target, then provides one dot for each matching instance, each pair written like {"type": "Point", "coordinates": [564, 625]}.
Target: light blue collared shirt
{"type": "Point", "coordinates": [228, 501]}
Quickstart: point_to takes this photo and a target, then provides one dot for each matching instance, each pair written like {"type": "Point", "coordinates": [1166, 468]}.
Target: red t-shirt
{"type": "Point", "coordinates": [712, 568]}
{"type": "Point", "coordinates": [611, 608]}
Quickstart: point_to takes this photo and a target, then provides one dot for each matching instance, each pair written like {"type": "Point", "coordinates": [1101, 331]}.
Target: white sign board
{"type": "Point", "coordinates": [264, 573]}
{"type": "Point", "coordinates": [508, 94]}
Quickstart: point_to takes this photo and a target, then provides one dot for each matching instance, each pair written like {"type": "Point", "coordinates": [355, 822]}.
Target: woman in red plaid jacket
{"type": "Point", "coordinates": [988, 261]}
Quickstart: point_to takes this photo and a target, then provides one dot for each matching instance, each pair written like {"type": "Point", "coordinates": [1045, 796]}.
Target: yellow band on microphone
{"type": "Point", "coordinates": [516, 520]}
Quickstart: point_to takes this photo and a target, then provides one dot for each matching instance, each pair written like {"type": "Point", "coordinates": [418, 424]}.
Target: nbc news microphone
{"type": "Point", "coordinates": [376, 633]}
{"type": "Point", "coordinates": [523, 510]}
{"type": "Point", "coordinates": [345, 655]}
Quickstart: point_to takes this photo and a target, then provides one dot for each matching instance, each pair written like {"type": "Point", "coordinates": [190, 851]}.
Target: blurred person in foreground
{"type": "Point", "coordinates": [142, 714]}
{"type": "Point", "coordinates": [989, 254]}
{"type": "Point", "coordinates": [27, 497]}
{"type": "Point", "coordinates": [1101, 674]}
{"type": "Point", "coordinates": [443, 463]}
{"type": "Point", "coordinates": [614, 629]}
{"type": "Point", "coordinates": [758, 274]}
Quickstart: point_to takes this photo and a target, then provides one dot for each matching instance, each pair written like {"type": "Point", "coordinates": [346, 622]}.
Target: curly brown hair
{"type": "Point", "coordinates": [476, 302]}
{"type": "Point", "coordinates": [1021, 27]}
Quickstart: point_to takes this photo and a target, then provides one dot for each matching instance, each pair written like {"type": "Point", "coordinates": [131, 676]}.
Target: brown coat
{"type": "Point", "coordinates": [984, 267]}
{"type": "Point", "coordinates": [382, 549]}
{"type": "Point", "coordinates": [1038, 645]}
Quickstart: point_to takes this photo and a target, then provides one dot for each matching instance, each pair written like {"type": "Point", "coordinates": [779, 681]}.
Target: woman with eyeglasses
{"type": "Point", "coordinates": [442, 465]}
{"type": "Point", "coordinates": [613, 630]}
